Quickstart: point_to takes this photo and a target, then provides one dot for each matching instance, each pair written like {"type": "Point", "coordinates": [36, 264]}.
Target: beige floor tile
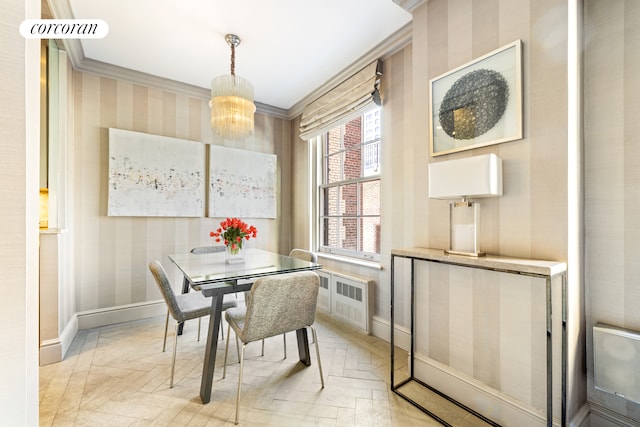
{"type": "Point", "coordinates": [119, 376]}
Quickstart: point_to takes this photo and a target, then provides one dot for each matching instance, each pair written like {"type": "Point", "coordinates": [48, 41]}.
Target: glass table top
{"type": "Point", "coordinates": [211, 270]}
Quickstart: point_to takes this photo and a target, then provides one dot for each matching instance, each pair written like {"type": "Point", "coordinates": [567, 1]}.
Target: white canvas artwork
{"type": "Point", "coordinates": [242, 183]}
{"type": "Point", "coordinates": [152, 175]}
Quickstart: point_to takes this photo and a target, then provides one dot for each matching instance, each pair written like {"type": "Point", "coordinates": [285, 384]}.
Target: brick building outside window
{"type": "Point", "coordinates": [350, 190]}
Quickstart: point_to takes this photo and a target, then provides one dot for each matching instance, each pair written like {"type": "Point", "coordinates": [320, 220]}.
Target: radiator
{"type": "Point", "coordinates": [347, 298]}
{"type": "Point", "coordinates": [616, 361]}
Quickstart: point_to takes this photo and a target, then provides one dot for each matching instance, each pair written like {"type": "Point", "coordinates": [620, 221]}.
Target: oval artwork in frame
{"type": "Point", "coordinates": [478, 103]}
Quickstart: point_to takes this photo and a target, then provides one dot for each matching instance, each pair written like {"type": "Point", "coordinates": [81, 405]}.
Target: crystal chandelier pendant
{"type": "Point", "coordinates": [232, 107]}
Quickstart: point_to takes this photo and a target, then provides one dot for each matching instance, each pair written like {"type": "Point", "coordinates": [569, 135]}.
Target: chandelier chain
{"type": "Point", "coordinates": [233, 60]}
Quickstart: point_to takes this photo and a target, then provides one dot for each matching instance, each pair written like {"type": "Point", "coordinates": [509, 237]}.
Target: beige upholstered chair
{"type": "Point", "coordinates": [201, 250]}
{"type": "Point", "coordinates": [182, 307]}
{"type": "Point", "coordinates": [295, 253]}
{"type": "Point", "coordinates": [303, 255]}
{"type": "Point", "coordinates": [278, 304]}
{"type": "Point", "coordinates": [207, 249]}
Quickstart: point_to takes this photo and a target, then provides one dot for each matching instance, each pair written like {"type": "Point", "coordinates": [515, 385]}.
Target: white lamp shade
{"type": "Point", "coordinates": [477, 176]}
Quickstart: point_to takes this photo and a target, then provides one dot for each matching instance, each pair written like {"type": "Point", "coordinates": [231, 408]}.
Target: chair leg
{"type": "Point", "coordinates": [173, 360]}
{"type": "Point", "coordinates": [284, 338]}
{"type": "Point", "coordinates": [199, 322]}
{"type": "Point", "coordinates": [166, 325]}
{"type": "Point", "coordinates": [262, 347]}
{"type": "Point", "coordinates": [315, 339]}
{"type": "Point", "coordinates": [240, 382]}
{"type": "Point", "coordinates": [226, 351]}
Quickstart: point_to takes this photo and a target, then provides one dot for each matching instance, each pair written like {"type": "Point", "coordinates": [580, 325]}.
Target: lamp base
{"type": "Point", "coordinates": [471, 254]}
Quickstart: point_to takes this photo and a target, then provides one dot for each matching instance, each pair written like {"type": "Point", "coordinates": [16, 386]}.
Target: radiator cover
{"type": "Point", "coordinates": [346, 297]}
{"type": "Point", "coordinates": [616, 361]}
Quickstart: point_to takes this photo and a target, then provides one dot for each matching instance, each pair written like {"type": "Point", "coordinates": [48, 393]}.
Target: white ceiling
{"type": "Point", "coordinates": [289, 48]}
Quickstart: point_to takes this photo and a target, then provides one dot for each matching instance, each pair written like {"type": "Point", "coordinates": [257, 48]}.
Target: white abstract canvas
{"type": "Point", "coordinates": [242, 183]}
{"type": "Point", "coordinates": [151, 175]}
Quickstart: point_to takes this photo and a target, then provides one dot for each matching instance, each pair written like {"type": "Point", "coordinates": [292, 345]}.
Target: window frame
{"type": "Point", "coordinates": [321, 213]}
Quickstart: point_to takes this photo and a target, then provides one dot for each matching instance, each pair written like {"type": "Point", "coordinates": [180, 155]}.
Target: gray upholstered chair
{"type": "Point", "coordinates": [303, 255]}
{"type": "Point", "coordinates": [295, 253]}
{"type": "Point", "coordinates": [182, 307]}
{"type": "Point", "coordinates": [278, 304]}
{"type": "Point", "coordinates": [201, 250]}
{"type": "Point", "coordinates": [207, 249]}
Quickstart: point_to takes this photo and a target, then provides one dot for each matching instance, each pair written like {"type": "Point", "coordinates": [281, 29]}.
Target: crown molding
{"type": "Point", "coordinates": [410, 5]}
{"type": "Point", "coordinates": [145, 79]}
{"type": "Point", "coordinates": [383, 50]}
{"type": "Point", "coordinates": [61, 9]}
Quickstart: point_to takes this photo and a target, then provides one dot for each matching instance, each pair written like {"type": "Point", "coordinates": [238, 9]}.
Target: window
{"type": "Point", "coordinates": [350, 189]}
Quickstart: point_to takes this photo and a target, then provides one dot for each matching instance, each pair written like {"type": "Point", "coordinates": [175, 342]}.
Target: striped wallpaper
{"type": "Point", "coordinates": [490, 326]}
{"type": "Point", "coordinates": [112, 253]}
{"type": "Point", "coordinates": [612, 175]}
{"type": "Point", "coordinates": [529, 221]}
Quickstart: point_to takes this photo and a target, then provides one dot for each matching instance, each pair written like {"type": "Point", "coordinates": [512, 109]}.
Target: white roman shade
{"type": "Point", "coordinates": [342, 102]}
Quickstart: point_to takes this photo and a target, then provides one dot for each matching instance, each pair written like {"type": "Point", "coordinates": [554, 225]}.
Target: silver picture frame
{"type": "Point", "coordinates": [477, 104]}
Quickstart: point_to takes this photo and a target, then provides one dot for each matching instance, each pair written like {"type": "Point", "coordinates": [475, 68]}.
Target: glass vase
{"type": "Point", "coordinates": [234, 255]}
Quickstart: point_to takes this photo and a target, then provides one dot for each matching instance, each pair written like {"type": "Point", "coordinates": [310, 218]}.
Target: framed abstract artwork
{"type": "Point", "coordinates": [478, 103]}
{"type": "Point", "coordinates": [242, 183]}
{"type": "Point", "coordinates": [153, 175]}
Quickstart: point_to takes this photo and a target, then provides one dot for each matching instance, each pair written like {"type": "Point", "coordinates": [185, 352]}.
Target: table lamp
{"type": "Point", "coordinates": [471, 177]}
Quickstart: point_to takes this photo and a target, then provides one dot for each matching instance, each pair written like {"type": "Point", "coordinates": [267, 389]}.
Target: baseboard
{"type": "Point", "coordinates": [54, 350]}
{"type": "Point", "coordinates": [581, 418]}
{"type": "Point", "coordinates": [118, 314]}
{"type": "Point", "coordinates": [50, 351]}
{"type": "Point", "coordinates": [381, 328]}
{"type": "Point", "coordinates": [68, 334]}
{"type": "Point", "coordinates": [478, 396]}
{"type": "Point", "coordinates": [600, 416]}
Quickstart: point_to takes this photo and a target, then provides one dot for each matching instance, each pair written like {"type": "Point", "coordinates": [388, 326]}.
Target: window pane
{"type": "Point", "coordinates": [330, 200]}
{"type": "Point", "coordinates": [372, 125]}
{"type": "Point", "coordinates": [334, 140]}
{"type": "Point", "coordinates": [353, 133]}
{"type": "Point", "coordinates": [330, 232]}
{"type": "Point", "coordinates": [370, 197]}
{"type": "Point", "coordinates": [349, 234]}
{"type": "Point", "coordinates": [370, 234]}
{"type": "Point", "coordinates": [333, 171]}
{"type": "Point", "coordinates": [349, 200]}
{"type": "Point", "coordinates": [352, 163]}
{"type": "Point", "coordinates": [350, 211]}
{"type": "Point", "coordinates": [371, 159]}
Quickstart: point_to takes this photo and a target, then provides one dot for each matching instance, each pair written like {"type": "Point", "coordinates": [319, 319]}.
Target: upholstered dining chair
{"type": "Point", "coordinates": [207, 250]}
{"type": "Point", "coordinates": [278, 304]}
{"type": "Point", "coordinates": [182, 307]}
{"type": "Point", "coordinates": [201, 250]}
{"type": "Point", "coordinates": [304, 255]}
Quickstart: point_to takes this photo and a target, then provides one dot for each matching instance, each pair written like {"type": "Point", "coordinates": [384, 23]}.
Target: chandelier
{"type": "Point", "coordinates": [232, 106]}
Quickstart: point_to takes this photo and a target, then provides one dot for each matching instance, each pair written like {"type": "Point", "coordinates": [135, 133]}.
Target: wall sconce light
{"type": "Point", "coordinates": [478, 176]}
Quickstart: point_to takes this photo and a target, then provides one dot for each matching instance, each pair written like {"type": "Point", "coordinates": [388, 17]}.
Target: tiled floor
{"type": "Point", "coordinates": [119, 376]}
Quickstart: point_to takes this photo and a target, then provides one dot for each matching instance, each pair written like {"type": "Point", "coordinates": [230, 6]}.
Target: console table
{"type": "Point", "coordinates": [547, 270]}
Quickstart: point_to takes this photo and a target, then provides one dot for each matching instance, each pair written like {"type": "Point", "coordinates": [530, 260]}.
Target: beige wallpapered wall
{"type": "Point", "coordinates": [612, 175]}
{"type": "Point", "coordinates": [112, 253]}
{"type": "Point", "coordinates": [529, 221]}
{"type": "Point", "coordinates": [19, 182]}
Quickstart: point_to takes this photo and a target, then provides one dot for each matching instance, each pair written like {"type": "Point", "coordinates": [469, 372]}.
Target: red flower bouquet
{"type": "Point", "coordinates": [233, 231]}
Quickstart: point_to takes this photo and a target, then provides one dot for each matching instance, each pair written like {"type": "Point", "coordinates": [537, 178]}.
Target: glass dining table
{"type": "Point", "coordinates": [214, 277]}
